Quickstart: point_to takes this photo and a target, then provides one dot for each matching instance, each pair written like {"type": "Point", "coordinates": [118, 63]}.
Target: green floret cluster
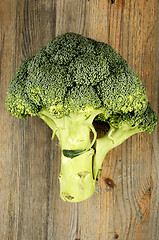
{"type": "Point", "coordinates": [18, 102]}
{"type": "Point", "coordinates": [69, 83]}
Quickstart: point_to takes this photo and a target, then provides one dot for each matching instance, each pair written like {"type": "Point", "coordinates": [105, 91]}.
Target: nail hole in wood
{"type": "Point", "coordinates": [116, 236]}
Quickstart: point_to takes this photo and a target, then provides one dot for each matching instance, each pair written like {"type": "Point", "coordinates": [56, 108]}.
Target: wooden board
{"type": "Point", "coordinates": [126, 205]}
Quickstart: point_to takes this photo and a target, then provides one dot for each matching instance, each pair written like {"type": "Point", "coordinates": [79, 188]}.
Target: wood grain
{"type": "Point", "coordinates": [126, 205]}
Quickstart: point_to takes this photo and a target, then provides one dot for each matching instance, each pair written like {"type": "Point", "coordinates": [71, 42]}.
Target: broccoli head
{"type": "Point", "coordinates": [71, 82]}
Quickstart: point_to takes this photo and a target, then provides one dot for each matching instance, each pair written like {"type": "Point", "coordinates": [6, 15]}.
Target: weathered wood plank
{"type": "Point", "coordinates": [26, 26]}
{"type": "Point", "coordinates": [127, 204]}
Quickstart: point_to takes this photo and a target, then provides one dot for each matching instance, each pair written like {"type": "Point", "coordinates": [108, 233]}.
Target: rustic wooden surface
{"type": "Point", "coordinates": [126, 205]}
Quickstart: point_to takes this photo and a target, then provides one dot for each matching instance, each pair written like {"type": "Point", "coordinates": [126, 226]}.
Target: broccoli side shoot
{"type": "Point", "coordinates": [121, 128]}
{"type": "Point", "coordinates": [69, 83]}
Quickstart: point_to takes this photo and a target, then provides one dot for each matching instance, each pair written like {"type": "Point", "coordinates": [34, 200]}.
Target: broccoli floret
{"type": "Point", "coordinates": [71, 82]}
{"type": "Point", "coordinates": [18, 102]}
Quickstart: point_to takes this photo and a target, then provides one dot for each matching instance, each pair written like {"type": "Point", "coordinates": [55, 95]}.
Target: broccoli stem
{"type": "Point", "coordinates": [113, 138]}
{"type": "Point", "coordinates": [76, 177]}
{"type": "Point", "coordinates": [73, 131]}
{"type": "Point", "coordinates": [80, 165]}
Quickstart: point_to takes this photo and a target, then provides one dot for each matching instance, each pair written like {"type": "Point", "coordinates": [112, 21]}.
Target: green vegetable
{"type": "Point", "coordinates": [70, 83]}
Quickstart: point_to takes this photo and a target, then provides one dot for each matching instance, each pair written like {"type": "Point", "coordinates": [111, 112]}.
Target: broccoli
{"type": "Point", "coordinates": [71, 82]}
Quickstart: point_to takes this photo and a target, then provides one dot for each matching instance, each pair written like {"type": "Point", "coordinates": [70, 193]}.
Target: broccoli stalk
{"type": "Point", "coordinates": [76, 177]}
{"type": "Point", "coordinates": [81, 159]}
